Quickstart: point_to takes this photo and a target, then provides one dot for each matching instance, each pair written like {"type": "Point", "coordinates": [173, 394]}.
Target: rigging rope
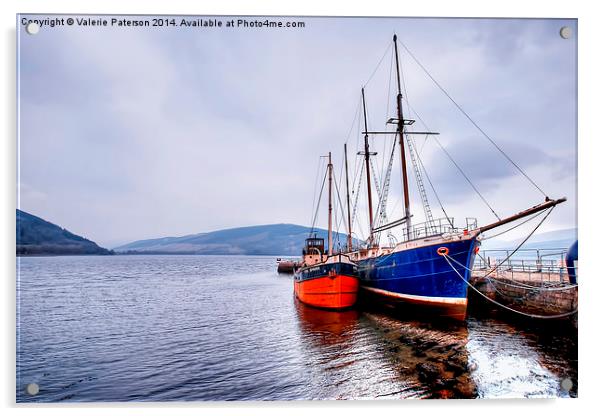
{"type": "Point", "coordinates": [455, 164]}
{"type": "Point", "coordinates": [357, 194]}
{"type": "Point", "coordinates": [516, 226]}
{"type": "Point", "coordinates": [467, 179]}
{"type": "Point", "coordinates": [421, 164]}
{"type": "Point", "coordinates": [434, 191]}
{"type": "Point", "coordinates": [472, 121]}
{"type": "Point", "coordinates": [336, 187]}
{"type": "Point", "coordinates": [389, 88]}
{"type": "Point", "coordinates": [379, 62]}
{"type": "Point", "coordinates": [549, 211]}
{"type": "Point", "coordinates": [313, 224]}
{"type": "Point", "coordinates": [320, 162]}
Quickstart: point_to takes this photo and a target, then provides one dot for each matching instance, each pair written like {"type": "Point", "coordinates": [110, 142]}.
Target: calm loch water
{"type": "Point", "coordinates": [159, 328]}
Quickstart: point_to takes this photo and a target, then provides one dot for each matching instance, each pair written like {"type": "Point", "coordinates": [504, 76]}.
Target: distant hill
{"type": "Point", "coordinates": [548, 240]}
{"type": "Point", "coordinates": [273, 239]}
{"type": "Point", "coordinates": [36, 236]}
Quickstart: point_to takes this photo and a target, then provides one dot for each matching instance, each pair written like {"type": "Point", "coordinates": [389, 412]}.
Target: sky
{"type": "Point", "coordinates": [135, 133]}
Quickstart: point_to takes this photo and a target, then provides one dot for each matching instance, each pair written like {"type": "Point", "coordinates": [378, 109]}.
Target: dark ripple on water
{"type": "Point", "coordinates": [162, 328]}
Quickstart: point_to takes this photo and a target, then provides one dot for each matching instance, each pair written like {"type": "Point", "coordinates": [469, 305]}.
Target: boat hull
{"type": "Point", "coordinates": [327, 286]}
{"type": "Point", "coordinates": [422, 277]}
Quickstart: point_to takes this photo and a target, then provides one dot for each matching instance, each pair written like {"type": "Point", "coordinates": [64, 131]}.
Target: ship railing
{"type": "Point", "coordinates": [544, 267]}
{"type": "Point", "coordinates": [436, 227]}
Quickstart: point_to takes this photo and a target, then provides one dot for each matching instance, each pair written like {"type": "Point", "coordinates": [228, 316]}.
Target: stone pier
{"type": "Point", "coordinates": [529, 293]}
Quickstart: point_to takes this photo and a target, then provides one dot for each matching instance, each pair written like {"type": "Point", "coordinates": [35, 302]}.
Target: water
{"type": "Point", "coordinates": [161, 328]}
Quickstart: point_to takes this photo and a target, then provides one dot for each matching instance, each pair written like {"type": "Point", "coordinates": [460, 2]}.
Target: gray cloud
{"type": "Point", "coordinates": [137, 134]}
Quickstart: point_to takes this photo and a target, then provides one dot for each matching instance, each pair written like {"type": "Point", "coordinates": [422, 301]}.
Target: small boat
{"type": "Point", "coordinates": [286, 266]}
{"type": "Point", "coordinates": [326, 280]}
{"type": "Point", "coordinates": [331, 284]}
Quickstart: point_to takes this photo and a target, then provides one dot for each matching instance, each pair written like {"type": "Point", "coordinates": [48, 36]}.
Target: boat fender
{"type": "Point", "coordinates": [443, 251]}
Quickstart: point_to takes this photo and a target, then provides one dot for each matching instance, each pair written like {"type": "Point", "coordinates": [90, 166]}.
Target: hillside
{"type": "Point", "coordinates": [36, 236]}
{"type": "Point", "coordinates": [273, 239]}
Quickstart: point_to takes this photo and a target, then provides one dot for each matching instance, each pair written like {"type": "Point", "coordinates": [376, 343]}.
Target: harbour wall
{"type": "Point", "coordinates": [527, 298]}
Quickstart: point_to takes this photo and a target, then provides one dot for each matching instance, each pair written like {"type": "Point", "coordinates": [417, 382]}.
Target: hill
{"type": "Point", "coordinates": [272, 239]}
{"type": "Point", "coordinates": [36, 236]}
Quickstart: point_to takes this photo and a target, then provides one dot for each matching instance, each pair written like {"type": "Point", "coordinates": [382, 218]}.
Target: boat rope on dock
{"type": "Point", "coordinates": [530, 315]}
{"type": "Point", "coordinates": [517, 284]}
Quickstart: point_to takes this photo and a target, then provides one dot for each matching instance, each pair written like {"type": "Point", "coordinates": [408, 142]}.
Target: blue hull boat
{"type": "Point", "coordinates": [422, 275]}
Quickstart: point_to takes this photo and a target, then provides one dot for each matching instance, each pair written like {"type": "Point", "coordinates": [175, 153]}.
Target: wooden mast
{"type": "Point", "coordinates": [400, 125]}
{"type": "Point", "coordinates": [349, 238]}
{"type": "Point", "coordinates": [367, 157]}
{"type": "Point", "coordinates": [329, 205]}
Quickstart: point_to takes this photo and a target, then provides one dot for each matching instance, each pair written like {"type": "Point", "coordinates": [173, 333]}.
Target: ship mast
{"type": "Point", "coordinates": [366, 154]}
{"type": "Point", "coordinates": [329, 205]}
{"type": "Point", "coordinates": [400, 125]}
{"type": "Point", "coordinates": [349, 238]}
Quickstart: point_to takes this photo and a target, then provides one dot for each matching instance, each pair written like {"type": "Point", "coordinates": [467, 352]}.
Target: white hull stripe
{"type": "Point", "coordinates": [416, 298]}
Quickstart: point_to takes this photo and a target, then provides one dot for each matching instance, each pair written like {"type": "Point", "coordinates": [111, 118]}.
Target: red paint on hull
{"type": "Point", "coordinates": [328, 292]}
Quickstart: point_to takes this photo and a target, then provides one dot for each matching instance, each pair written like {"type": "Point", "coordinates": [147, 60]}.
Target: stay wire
{"type": "Point", "coordinates": [456, 165]}
{"type": "Point", "coordinates": [378, 65]}
{"type": "Point", "coordinates": [336, 187]}
{"type": "Point", "coordinates": [313, 224]}
{"type": "Point", "coordinates": [514, 227]}
{"type": "Point", "coordinates": [320, 162]}
{"type": "Point", "coordinates": [548, 212]}
{"type": "Point", "coordinates": [428, 178]}
{"type": "Point", "coordinates": [474, 123]}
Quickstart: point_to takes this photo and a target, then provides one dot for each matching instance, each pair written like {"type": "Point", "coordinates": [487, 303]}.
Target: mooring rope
{"type": "Point", "coordinates": [486, 276]}
{"type": "Point", "coordinates": [489, 280]}
{"type": "Point", "coordinates": [561, 315]}
{"type": "Point", "coordinates": [523, 286]}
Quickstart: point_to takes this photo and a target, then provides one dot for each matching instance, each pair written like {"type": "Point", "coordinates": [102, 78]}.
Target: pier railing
{"type": "Point", "coordinates": [545, 267]}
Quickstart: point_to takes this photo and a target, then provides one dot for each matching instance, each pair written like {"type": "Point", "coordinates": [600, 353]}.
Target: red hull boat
{"type": "Point", "coordinates": [332, 284]}
{"type": "Point", "coordinates": [328, 281]}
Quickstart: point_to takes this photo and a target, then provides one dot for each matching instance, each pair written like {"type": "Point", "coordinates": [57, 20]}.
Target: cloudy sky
{"type": "Point", "coordinates": [134, 133]}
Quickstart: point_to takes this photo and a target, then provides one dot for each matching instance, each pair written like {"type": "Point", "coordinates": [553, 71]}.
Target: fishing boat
{"type": "Point", "coordinates": [430, 265]}
{"type": "Point", "coordinates": [326, 280]}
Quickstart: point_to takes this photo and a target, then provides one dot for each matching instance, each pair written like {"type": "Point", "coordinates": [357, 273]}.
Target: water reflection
{"type": "Point", "coordinates": [482, 357]}
{"type": "Point", "coordinates": [324, 327]}
{"type": "Point", "coordinates": [121, 328]}
{"type": "Point", "coordinates": [430, 354]}
{"type": "Point", "coordinates": [427, 360]}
